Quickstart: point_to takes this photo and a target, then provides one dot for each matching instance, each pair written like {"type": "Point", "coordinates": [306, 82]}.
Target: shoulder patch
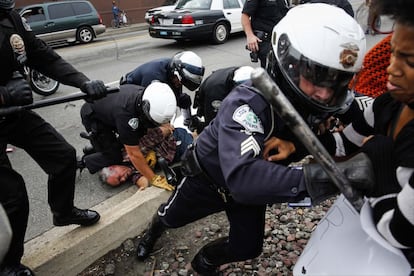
{"type": "Point", "coordinates": [133, 123]}
{"type": "Point", "coordinates": [17, 44]}
{"type": "Point", "coordinates": [245, 116]}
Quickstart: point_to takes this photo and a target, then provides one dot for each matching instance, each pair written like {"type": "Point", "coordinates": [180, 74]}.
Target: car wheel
{"type": "Point", "coordinates": [84, 35]}
{"type": "Point", "coordinates": [220, 33]}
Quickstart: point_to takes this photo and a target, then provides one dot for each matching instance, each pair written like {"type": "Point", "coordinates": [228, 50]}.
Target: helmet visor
{"type": "Point", "coordinates": [294, 65]}
{"type": "Point", "coordinates": [323, 76]}
{"type": "Point", "coordinates": [191, 76]}
{"type": "Point", "coordinates": [146, 109]}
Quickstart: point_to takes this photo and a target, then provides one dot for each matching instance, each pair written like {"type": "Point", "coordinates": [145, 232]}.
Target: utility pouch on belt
{"type": "Point", "coordinates": [189, 162]}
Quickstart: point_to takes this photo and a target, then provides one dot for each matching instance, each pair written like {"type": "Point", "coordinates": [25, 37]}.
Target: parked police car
{"type": "Point", "coordinates": [199, 19]}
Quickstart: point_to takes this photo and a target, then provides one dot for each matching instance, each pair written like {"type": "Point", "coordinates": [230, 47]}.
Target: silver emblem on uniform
{"type": "Point", "coordinates": [216, 105]}
{"type": "Point", "coordinates": [17, 44]}
{"type": "Point", "coordinates": [133, 123]}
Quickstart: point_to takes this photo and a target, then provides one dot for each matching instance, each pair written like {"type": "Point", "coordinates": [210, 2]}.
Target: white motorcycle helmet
{"type": "Point", "coordinates": [322, 43]}
{"type": "Point", "coordinates": [242, 74]}
{"type": "Point", "coordinates": [189, 69]}
{"type": "Point", "coordinates": [159, 103]}
{"type": "Point", "coordinates": [7, 4]}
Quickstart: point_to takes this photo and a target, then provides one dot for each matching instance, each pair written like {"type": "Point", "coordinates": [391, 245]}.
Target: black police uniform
{"type": "Point", "coordinates": [29, 131]}
{"type": "Point", "coordinates": [264, 15]}
{"type": "Point", "coordinates": [114, 121]}
{"type": "Point", "coordinates": [233, 176]}
{"type": "Point", "coordinates": [160, 70]}
{"type": "Point", "coordinates": [212, 91]}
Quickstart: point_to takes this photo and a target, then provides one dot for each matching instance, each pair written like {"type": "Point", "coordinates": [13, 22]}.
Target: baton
{"type": "Point", "coordinates": [47, 102]}
{"type": "Point", "coordinates": [288, 113]}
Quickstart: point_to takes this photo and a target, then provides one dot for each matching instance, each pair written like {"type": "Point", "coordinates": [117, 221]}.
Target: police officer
{"type": "Point", "coordinates": [120, 120]}
{"type": "Point", "coordinates": [214, 89]}
{"type": "Point", "coordinates": [27, 130]}
{"type": "Point", "coordinates": [5, 233]}
{"type": "Point", "coordinates": [225, 168]}
{"type": "Point", "coordinates": [258, 19]}
{"type": "Point", "coordinates": [183, 69]}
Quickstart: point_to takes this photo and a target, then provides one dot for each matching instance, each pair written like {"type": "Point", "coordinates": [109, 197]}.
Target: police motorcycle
{"type": "Point", "coordinates": [40, 83]}
{"type": "Point", "coordinates": [345, 242]}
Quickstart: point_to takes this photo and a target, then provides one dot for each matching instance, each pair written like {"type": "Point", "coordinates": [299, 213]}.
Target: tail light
{"type": "Point", "coordinates": [187, 19]}
{"type": "Point", "coordinates": [152, 20]}
{"type": "Point", "coordinates": [100, 19]}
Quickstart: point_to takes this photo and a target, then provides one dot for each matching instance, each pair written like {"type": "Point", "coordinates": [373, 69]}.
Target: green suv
{"type": "Point", "coordinates": [64, 21]}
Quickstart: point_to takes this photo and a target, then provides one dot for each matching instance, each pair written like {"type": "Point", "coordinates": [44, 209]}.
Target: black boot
{"type": "Point", "coordinates": [208, 260]}
{"type": "Point", "coordinates": [147, 242]}
{"type": "Point", "coordinates": [80, 163]}
{"type": "Point", "coordinates": [17, 270]}
{"type": "Point", "coordinates": [88, 150]}
{"type": "Point", "coordinates": [76, 216]}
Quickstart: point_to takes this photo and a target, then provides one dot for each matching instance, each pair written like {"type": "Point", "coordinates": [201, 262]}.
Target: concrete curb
{"type": "Point", "coordinates": [69, 250]}
{"type": "Point", "coordinates": [131, 28]}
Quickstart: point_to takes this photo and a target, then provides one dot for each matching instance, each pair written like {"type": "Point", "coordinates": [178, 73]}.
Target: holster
{"type": "Point", "coordinates": [262, 35]}
{"type": "Point", "coordinates": [189, 162]}
{"type": "Point", "coordinates": [191, 167]}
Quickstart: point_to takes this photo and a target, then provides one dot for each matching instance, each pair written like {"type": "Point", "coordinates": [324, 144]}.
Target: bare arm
{"type": "Point", "coordinates": [252, 40]}
{"type": "Point", "coordinates": [138, 160]}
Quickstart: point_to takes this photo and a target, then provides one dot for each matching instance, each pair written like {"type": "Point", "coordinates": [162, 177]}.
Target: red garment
{"type": "Point", "coordinates": [372, 79]}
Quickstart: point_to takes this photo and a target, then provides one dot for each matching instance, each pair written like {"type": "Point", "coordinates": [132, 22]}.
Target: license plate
{"type": "Point", "coordinates": [163, 33]}
{"type": "Point", "coordinates": [166, 21]}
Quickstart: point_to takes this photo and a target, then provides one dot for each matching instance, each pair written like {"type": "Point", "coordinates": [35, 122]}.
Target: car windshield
{"type": "Point", "coordinates": [194, 4]}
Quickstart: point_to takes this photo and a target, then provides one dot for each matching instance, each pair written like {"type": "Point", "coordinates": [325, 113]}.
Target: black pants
{"type": "Point", "coordinates": [194, 199]}
{"type": "Point", "coordinates": [55, 156]}
{"type": "Point", "coordinates": [264, 48]}
{"type": "Point", "coordinates": [103, 139]}
{"type": "Point", "coordinates": [14, 199]}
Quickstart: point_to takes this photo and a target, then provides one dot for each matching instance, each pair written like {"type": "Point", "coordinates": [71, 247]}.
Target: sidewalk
{"type": "Point", "coordinates": [130, 28]}
{"type": "Point", "coordinates": [67, 251]}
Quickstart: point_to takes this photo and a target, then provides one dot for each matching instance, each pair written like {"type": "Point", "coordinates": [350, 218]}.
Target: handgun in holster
{"type": "Point", "coordinates": [254, 56]}
{"type": "Point", "coordinates": [189, 162]}
{"type": "Point", "coordinates": [169, 173]}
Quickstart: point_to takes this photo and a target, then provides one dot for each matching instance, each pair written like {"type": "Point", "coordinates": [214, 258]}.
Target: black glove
{"type": "Point", "coordinates": [194, 123]}
{"type": "Point", "coordinates": [95, 89]}
{"type": "Point", "coordinates": [17, 92]}
{"type": "Point", "coordinates": [184, 101]}
{"type": "Point", "coordinates": [380, 150]}
{"type": "Point", "coordinates": [357, 169]}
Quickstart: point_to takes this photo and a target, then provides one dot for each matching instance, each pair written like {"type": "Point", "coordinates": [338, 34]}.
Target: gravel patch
{"type": "Point", "coordinates": [287, 231]}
